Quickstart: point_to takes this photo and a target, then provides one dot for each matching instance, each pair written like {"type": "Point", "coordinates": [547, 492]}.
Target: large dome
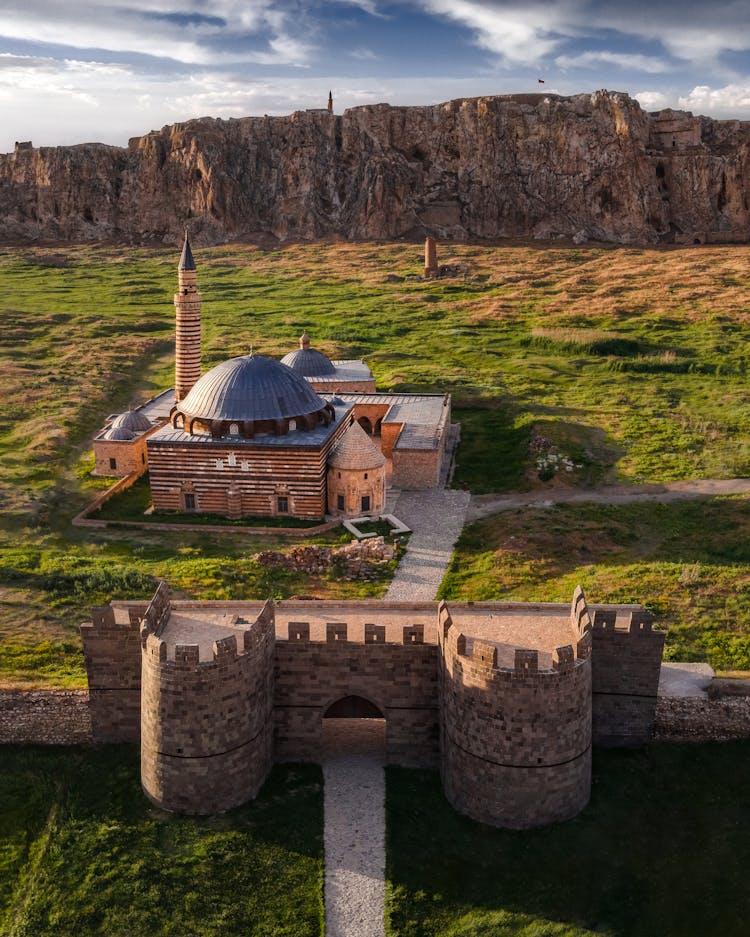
{"type": "Point", "coordinates": [252, 387]}
{"type": "Point", "coordinates": [308, 361]}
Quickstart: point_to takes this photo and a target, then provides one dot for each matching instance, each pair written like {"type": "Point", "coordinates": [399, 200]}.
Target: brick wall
{"type": "Point", "coordinates": [416, 468]}
{"type": "Point", "coordinates": [401, 680]}
{"type": "Point", "coordinates": [129, 455]}
{"type": "Point", "coordinates": [626, 664]}
{"type": "Point", "coordinates": [516, 742]}
{"type": "Point", "coordinates": [207, 725]}
{"type": "Point", "coordinates": [45, 717]}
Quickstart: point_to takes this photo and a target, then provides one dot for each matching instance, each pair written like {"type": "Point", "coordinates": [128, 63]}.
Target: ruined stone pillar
{"type": "Point", "coordinates": [430, 257]}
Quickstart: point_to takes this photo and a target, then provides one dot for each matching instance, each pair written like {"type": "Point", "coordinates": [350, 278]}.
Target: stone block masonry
{"type": "Point", "coordinates": [226, 690]}
{"type": "Point", "coordinates": [45, 717]}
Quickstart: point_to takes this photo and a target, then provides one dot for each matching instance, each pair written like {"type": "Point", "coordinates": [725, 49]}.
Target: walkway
{"type": "Point", "coordinates": [354, 792]}
{"type": "Point", "coordinates": [485, 505]}
{"type": "Point", "coordinates": [436, 517]}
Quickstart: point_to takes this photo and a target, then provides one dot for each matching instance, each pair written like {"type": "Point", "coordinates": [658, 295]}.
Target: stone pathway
{"type": "Point", "coordinates": [485, 505]}
{"type": "Point", "coordinates": [436, 518]}
{"type": "Point", "coordinates": [354, 792]}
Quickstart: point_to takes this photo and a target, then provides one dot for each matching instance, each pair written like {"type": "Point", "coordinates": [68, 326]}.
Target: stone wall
{"type": "Point", "coordinates": [129, 455]}
{"type": "Point", "coordinates": [626, 664]}
{"type": "Point", "coordinates": [416, 468]}
{"type": "Point", "coordinates": [207, 725]}
{"type": "Point", "coordinates": [45, 717]}
{"type": "Point", "coordinates": [692, 719]}
{"type": "Point", "coordinates": [111, 649]}
{"type": "Point", "coordinates": [515, 741]}
{"type": "Point", "coordinates": [401, 680]}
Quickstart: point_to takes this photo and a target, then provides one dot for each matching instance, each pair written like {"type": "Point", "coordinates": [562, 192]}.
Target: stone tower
{"type": "Point", "coordinates": [187, 304]}
{"type": "Point", "coordinates": [330, 102]}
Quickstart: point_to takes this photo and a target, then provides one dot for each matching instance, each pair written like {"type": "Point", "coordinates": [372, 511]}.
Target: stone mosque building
{"type": "Point", "coordinates": [304, 436]}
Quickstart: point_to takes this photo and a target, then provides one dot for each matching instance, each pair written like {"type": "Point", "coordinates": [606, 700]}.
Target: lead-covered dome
{"type": "Point", "coordinates": [251, 388]}
{"type": "Point", "coordinates": [133, 421]}
{"type": "Point", "coordinates": [308, 361]}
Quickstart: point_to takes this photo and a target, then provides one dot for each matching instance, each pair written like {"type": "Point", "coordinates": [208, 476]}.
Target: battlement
{"type": "Point", "coordinates": [157, 613]}
{"type": "Point", "coordinates": [638, 621]}
{"type": "Point", "coordinates": [338, 632]}
{"type": "Point", "coordinates": [246, 642]}
{"type": "Point", "coordinates": [580, 619]}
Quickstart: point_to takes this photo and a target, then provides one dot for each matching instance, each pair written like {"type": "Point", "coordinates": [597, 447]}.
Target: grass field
{"type": "Point", "coordinates": [688, 562]}
{"type": "Point", "coordinates": [661, 849]}
{"type": "Point", "coordinates": [82, 852]}
{"type": "Point", "coordinates": [573, 365]}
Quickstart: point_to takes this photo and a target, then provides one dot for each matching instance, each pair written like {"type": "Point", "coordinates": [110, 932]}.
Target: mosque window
{"type": "Point", "coordinates": [282, 504]}
{"type": "Point", "coordinates": [113, 463]}
{"type": "Point", "coordinates": [189, 502]}
{"type": "Point", "coordinates": [340, 503]}
{"type": "Point", "coordinates": [365, 502]}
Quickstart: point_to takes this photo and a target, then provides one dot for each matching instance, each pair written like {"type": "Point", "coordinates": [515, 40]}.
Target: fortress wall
{"type": "Point", "coordinates": [626, 661]}
{"type": "Point", "coordinates": [516, 742]}
{"type": "Point", "coordinates": [401, 680]}
{"type": "Point", "coordinates": [111, 648]}
{"type": "Point", "coordinates": [45, 717]}
{"type": "Point", "coordinates": [207, 725]}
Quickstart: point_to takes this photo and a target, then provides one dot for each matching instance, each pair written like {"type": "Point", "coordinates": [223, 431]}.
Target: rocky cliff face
{"type": "Point", "coordinates": [592, 166]}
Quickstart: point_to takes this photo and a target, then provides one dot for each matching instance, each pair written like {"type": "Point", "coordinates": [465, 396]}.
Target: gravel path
{"type": "Point", "coordinates": [485, 505]}
{"type": "Point", "coordinates": [436, 517]}
{"type": "Point", "coordinates": [354, 755]}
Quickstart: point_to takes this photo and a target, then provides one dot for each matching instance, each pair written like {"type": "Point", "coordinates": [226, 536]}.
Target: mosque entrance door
{"type": "Point", "coordinates": [353, 725]}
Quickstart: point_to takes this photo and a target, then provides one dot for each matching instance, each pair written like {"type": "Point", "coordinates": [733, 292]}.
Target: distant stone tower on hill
{"type": "Point", "coordinates": [187, 304]}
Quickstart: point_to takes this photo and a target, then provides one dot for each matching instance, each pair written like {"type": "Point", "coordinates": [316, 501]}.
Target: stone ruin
{"type": "Point", "coordinates": [360, 559]}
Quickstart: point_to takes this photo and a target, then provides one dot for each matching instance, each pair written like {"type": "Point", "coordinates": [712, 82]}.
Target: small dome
{"type": "Point", "coordinates": [132, 420]}
{"type": "Point", "coordinates": [355, 450]}
{"type": "Point", "coordinates": [307, 361]}
{"type": "Point", "coordinates": [252, 387]}
{"type": "Point", "coordinates": [118, 432]}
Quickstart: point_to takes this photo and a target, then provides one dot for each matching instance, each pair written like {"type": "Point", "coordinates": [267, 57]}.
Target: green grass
{"type": "Point", "coordinates": [688, 562]}
{"type": "Point", "coordinates": [632, 364]}
{"type": "Point", "coordinates": [83, 852]}
{"type": "Point", "coordinates": [661, 849]}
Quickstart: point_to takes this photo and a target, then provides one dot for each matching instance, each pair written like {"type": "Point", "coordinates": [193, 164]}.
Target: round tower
{"type": "Point", "coordinates": [187, 304]}
{"type": "Point", "coordinates": [515, 729]}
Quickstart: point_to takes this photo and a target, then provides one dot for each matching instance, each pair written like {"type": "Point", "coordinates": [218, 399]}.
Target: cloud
{"type": "Point", "coordinates": [732, 100]}
{"type": "Point", "coordinates": [630, 61]}
{"type": "Point", "coordinates": [236, 31]}
{"type": "Point", "coordinates": [654, 100]}
{"type": "Point", "coordinates": [516, 34]}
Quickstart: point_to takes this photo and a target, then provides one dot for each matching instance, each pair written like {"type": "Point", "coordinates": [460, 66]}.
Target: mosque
{"type": "Point", "coordinates": [254, 436]}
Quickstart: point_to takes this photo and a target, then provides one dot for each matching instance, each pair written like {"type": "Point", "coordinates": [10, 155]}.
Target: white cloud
{"type": "Point", "coordinates": [654, 100]}
{"type": "Point", "coordinates": [517, 34]}
{"type": "Point", "coordinates": [631, 61]}
{"type": "Point", "coordinates": [731, 101]}
{"type": "Point", "coordinates": [181, 30]}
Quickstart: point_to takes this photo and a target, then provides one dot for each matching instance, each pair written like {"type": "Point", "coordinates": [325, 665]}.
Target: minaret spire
{"type": "Point", "coordinates": [187, 304]}
{"type": "Point", "coordinates": [330, 102]}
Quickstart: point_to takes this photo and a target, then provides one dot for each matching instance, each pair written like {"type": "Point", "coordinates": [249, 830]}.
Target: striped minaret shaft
{"type": "Point", "coordinates": [187, 304]}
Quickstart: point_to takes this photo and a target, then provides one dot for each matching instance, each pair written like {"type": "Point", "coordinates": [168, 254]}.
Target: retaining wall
{"type": "Point", "coordinates": [45, 717]}
{"type": "Point", "coordinates": [692, 719]}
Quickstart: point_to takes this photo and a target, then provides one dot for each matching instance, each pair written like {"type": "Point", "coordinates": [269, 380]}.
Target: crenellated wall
{"type": "Point", "coordinates": [400, 679]}
{"type": "Point", "coordinates": [515, 740]}
{"type": "Point", "coordinates": [111, 643]}
{"type": "Point", "coordinates": [510, 727]}
{"type": "Point", "coordinates": [627, 656]}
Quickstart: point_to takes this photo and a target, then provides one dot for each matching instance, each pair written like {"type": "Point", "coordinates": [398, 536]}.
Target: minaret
{"type": "Point", "coordinates": [330, 102]}
{"type": "Point", "coordinates": [430, 258]}
{"type": "Point", "coordinates": [187, 304]}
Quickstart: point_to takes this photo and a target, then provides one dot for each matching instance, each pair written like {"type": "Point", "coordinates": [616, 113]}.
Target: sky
{"type": "Point", "coordinates": [75, 71]}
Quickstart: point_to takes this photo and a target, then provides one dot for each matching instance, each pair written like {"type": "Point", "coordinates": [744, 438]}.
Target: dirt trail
{"type": "Point", "coordinates": [485, 505]}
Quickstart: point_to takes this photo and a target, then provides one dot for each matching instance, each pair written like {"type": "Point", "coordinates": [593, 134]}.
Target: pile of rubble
{"type": "Point", "coordinates": [359, 559]}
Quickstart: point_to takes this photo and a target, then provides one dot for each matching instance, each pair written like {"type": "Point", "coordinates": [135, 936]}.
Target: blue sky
{"type": "Point", "coordinates": [80, 70]}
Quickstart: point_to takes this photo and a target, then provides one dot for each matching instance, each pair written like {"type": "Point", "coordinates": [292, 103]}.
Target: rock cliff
{"type": "Point", "coordinates": [593, 166]}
